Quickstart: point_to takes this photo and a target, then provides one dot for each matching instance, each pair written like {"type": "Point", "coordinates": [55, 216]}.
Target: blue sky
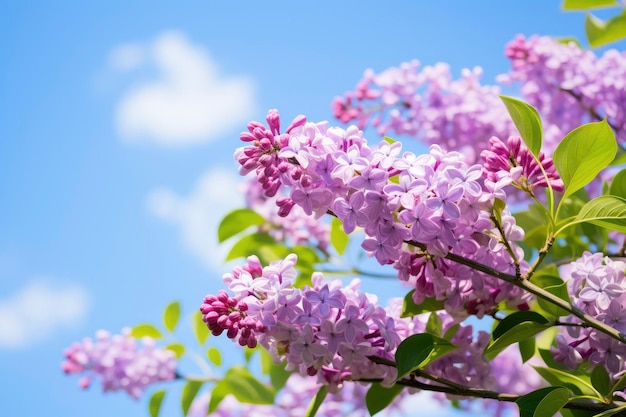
{"type": "Point", "coordinates": [119, 120]}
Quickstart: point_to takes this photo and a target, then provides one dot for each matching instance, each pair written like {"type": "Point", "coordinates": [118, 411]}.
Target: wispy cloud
{"type": "Point", "coordinates": [190, 101]}
{"type": "Point", "coordinates": [198, 214]}
{"type": "Point", "coordinates": [38, 310]}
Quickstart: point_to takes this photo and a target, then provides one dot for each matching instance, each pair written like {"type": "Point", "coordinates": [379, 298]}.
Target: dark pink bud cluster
{"type": "Point", "coordinates": [262, 153]}
{"type": "Point", "coordinates": [221, 312]}
{"type": "Point", "coordinates": [513, 163]}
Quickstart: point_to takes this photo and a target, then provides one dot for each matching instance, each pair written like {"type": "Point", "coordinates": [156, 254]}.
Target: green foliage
{"type": "Point", "coordinates": [618, 185]}
{"type": "Point", "coordinates": [583, 153]}
{"type": "Point", "coordinates": [527, 121]}
{"type": "Point", "coordinates": [190, 390]}
{"type": "Point", "coordinates": [578, 383]}
{"type": "Point", "coordinates": [544, 402]}
{"type": "Point", "coordinates": [316, 402]}
{"type": "Point", "coordinates": [146, 329]}
{"type": "Point", "coordinates": [239, 382]}
{"type": "Point", "coordinates": [171, 315]}
{"type": "Point", "coordinates": [379, 397]}
{"type": "Point", "coordinates": [200, 328]}
{"type": "Point", "coordinates": [588, 4]}
{"type": "Point", "coordinates": [418, 350]}
{"type": "Point", "coordinates": [434, 324]}
{"type": "Point", "coordinates": [276, 371]}
{"type": "Point", "coordinates": [513, 329]}
{"type": "Point", "coordinates": [214, 356]}
{"type": "Point", "coordinates": [600, 32]}
{"type": "Point", "coordinates": [606, 211]}
{"type": "Point", "coordinates": [260, 244]}
{"type": "Point", "coordinates": [601, 381]}
{"type": "Point", "coordinates": [177, 348]}
{"type": "Point", "coordinates": [154, 404]}
{"type": "Point", "coordinates": [527, 348]}
{"type": "Point", "coordinates": [236, 222]}
{"type": "Point", "coordinates": [410, 309]}
{"type": "Point", "coordinates": [338, 238]}
{"type": "Point", "coordinates": [556, 286]}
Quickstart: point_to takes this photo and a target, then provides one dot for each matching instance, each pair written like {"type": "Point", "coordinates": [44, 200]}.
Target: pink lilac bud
{"type": "Point", "coordinates": [120, 362]}
{"type": "Point", "coordinates": [515, 162]}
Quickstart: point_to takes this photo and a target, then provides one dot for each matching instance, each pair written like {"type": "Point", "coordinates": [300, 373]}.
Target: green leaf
{"type": "Point", "coordinates": [246, 388]}
{"type": "Point", "coordinates": [418, 350]}
{"type": "Point", "coordinates": [338, 238]}
{"type": "Point", "coordinates": [520, 332]}
{"type": "Point", "coordinates": [200, 328]}
{"type": "Point", "coordinates": [606, 211]}
{"type": "Point", "coordinates": [434, 325]}
{"type": "Point", "coordinates": [578, 384]}
{"type": "Point", "coordinates": [215, 356]}
{"type": "Point", "coordinates": [236, 222]}
{"type": "Point", "coordinates": [544, 402]}
{"type": "Point", "coordinates": [568, 40]}
{"type": "Point", "coordinates": [177, 348]}
{"type": "Point", "coordinates": [583, 153]}
{"type": "Point", "coordinates": [316, 402]}
{"type": "Point", "coordinates": [588, 4]}
{"type": "Point", "coordinates": [218, 393]}
{"type": "Point", "coordinates": [512, 320]}
{"type": "Point", "coordinates": [146, 329]}
{"type": "Point", "coordinates": [389, 140]}
{"type": "Point", "coordinates": [154, 405]}
{"type": "Point", "coordinates": [601, 32]}
{"type": "Point", "coordinates": [171, 315]}
{"type": "Point", "coordinates": [278, 374]}
{"type": "Point", "coordinates": [498, 206]}
{"type": "Point", "coordinates": [618, 185]}
{"type": "Point", "coordinates": [527, 348]}
{"type": "Point", "coordinates": [601, 381]}
{"type": "Point", "coordinates": [379, 397]}
{"type": "Point", "coordinates": [554, 285]}
{"type": "Point", "coordinates": [190, 390]}
{"type": "Point", "coordinates": [527, 121]}
{"type": "Point", "coordinates": [410, 309]}
{"type": "Point", "coordinates": [251, 245]}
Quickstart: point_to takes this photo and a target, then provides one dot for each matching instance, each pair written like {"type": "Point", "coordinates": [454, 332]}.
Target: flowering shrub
{"type": "Point", "coordinates": [511, 215]}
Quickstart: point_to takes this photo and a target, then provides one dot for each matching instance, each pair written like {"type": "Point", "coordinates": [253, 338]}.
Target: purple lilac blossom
{"type": "Point", "coordinates": [449, 212]}
{"type": "Point", "coordinates": [119, 362]}
{"type": "Point", "coordinates": [596, 286]}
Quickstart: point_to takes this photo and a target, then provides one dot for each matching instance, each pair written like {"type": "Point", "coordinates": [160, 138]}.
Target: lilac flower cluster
{"type": "Point", "coordinates": [597, 286]}
{"type": "Point", "coordinates": [569, 85]}
{"type": "Point", "coordinates": [119, 362]}
{"type": "Point", "coordinates": [513, 163]}
{"type": "Point", "coordinates": [414, 209]}
{"type": "Point", "coordinates": [427, 103]}
{"type": "Point", "coordinates": [325, 330]}
{"type": "Point", "coordinates": [292, 401]}
{"type": "Point", "coordinates": [332, 331]}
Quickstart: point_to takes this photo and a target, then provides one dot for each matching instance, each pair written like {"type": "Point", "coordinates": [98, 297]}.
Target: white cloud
{"type": "Point", "coordinates": [189, 103]}
{"type": "Point", "coordinates": [38, 310]}
{"type": "Point", "coordinates": [198, 214]}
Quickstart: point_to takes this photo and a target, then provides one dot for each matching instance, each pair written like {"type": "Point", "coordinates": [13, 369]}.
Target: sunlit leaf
{"type": "Point", "coordinates": [316, 401]}
{"type": "Point", "coordinates": [588, 4]}
{"type": "Point", "coordinates": [544, 402]}
{"type": "Point", "coordinates": [237, 221]}
{"type": "Point", "coordinates": [190, 390]}
{"type": "Point", "coordinates": [618, 184]}
{"type": "Point", "coordinates": [171, 315]}
{"type": "Point", "coordinates": [177, 348]}
{"type": "Point", "coordinates": [215, 356]}
{"type": "Point", "coordinates": [146, 329]}
{"type": "Point", "coordinates": [410, 309]}
{"type": "Point", "coordinates": [338, 238]}
{"type": "Point", "coordinates": [200, 328]}
{"type": "Point", "coordinates": [601, 32]}
{"type": "Point", "coordinates": [578, 384]}
{"type": "Point", "coordinates": [583, 153]}
{"type": "Point", "coordinates": [606, 211]}
{"type": "Point", "coordinates": [154, 405]}
{"type": "Point", "coordinates": [527, 121]}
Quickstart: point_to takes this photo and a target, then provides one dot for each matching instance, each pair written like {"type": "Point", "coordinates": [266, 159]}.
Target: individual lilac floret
{"type": "Point", "coordinates": [120, 362]}
{"type": "Point", "coordinates": [513, 163]}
